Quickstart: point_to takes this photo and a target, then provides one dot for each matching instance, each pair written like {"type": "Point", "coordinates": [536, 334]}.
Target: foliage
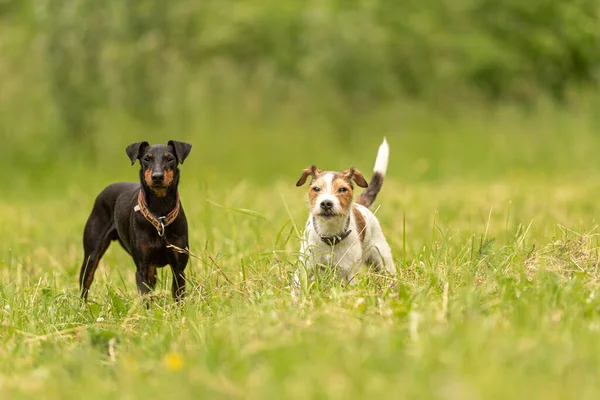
{"type": "Point", "coordinates": [145, 56]}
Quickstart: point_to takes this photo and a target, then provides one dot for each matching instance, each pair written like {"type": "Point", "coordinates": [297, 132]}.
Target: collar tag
{"type": "Point", "coordinates": [136, 208]}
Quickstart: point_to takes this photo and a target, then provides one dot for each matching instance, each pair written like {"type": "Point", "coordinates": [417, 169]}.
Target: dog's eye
{"type": "Point", "coordinates": [316, 189]}
{"type": "Point", "coordinates": [147, 158]}
{"type": "Point", "coordinates": [170, 159]}
{"type": "Point", "coordinates": [343, 190]}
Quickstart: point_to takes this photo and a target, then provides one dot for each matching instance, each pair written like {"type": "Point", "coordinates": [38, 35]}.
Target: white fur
{"type": "Point", "coordinates": [350, 253]}
{"type": "Point", "coordinates": [327, 194]}
{"type": "Point", "coordinates": [328, 178]}
{"type": "Point", "coordinates": [383, 155]}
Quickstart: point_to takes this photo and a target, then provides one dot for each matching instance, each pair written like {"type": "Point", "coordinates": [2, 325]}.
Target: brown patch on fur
{"type": "Point", "coordinates": [355, 175]}
{"type": "Point", "coordinates": [145, 246]}
{"type": "Point", "coordinates": [338, 181]}
{"type": "Point", "coordinates": [158, 191]}
{"type": "Point", "coordinates": [311, 171]}
{"type": "Point", "coordinates": [91, 272]}
{"type": "Point", "coordinates": [92, 268]}
{"type": "Point", "coordinates": [312, 194]}
{"type": "Point", "coordinates": [360, 223]}
{"type": "Point", "coordinates": [167, 180]}
{"type": "Point", "coordinates": [151, 276]}
{"type": "Point", "coordinates": [168, 177]}
{"type": "Point", "coordinates": [148, 177]}
{"type": "Point", "coordinates": [345, 197]}
{"type": "Point", "coordinates": [166, 154]}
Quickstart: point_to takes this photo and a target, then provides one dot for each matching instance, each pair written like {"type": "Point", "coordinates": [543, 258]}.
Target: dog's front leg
{"type": "Point", "coordinates": [145, 278]}
{"type": "Point", "coordinates": [178, 286]}
{"type": "Point", "coordinates": [178, 261]}
{"type": "Point", "coordinates": [306, 270]}
{"type": "Point", "coordinates": [307, 265]}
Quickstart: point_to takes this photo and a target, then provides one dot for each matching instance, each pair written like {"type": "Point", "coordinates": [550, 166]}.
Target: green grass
{"type": "Point", "coordinates": [492, 217]}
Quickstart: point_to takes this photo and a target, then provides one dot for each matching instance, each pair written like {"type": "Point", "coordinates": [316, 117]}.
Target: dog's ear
{"type": "Point", "coordinates": [312, 171]}
{"type": "Point", "coordinates": [180, 149]}
{"type": "Point", "coordinates": [356, 176]}
{"type": "Point", "coordinates": [136, 150]}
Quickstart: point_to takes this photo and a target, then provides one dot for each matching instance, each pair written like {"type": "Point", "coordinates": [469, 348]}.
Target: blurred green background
{"type": "Point", "coordinates": [461, 88]}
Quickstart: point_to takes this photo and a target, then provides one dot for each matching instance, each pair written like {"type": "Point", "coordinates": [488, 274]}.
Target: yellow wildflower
{"type": "Point", "coordinates": [173, 361]}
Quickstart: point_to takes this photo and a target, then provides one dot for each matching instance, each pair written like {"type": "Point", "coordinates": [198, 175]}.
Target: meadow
{"type": "Point", "coordinates": [490, 203]}
{"type": "Point", "coordinates": [491, 214]}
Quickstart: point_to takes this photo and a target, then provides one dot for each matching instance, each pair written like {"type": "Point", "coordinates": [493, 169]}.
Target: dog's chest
{"type": "Point", "coordinates": [345, 253]}
{"type": "Point", "coordinates": [153, 250]}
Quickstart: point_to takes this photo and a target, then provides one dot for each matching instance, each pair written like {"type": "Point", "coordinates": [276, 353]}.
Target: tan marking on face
{"type": "Point", "coordinates": [168, 179]}
{"type": "Point", "coordinates": [312, 194]}
{"type": "Point", "coordinates": [360, 223]}
{"type": "Point", "coordinates": [166, 154]}
{"type": "Point", "coordinates": [345, 197]}
{"type": "Point", "coordinates": [158, 191]}
{"type": "Point", "coordinates": [148, 177]}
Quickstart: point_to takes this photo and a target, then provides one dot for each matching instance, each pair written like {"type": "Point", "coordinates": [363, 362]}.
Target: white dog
{"type": "Point", "coordinates": [339, 232]}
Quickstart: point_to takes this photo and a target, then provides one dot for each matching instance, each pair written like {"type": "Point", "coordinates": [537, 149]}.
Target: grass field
{"type": "Point", "coordinates": [492, 217]}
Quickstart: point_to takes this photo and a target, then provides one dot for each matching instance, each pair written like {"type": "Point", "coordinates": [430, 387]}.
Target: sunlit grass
{"type": "Point", "coordinates": [496, 296]}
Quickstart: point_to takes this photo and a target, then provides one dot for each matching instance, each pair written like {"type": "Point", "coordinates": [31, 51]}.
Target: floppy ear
{"type": "Point", "coordinates": [181, 149]}
{"type": "Point", "coordinates": [136, 150]}
{"type": "Point", "coordinates": [312, 171]}
{"type": "Point", "coordinates": [356, 176]}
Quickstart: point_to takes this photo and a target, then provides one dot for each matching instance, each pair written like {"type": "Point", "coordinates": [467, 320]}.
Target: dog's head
{"type": "Point", "coordinates": [159, 163]}
{"type": "Point", "coordinates": [330, 193]}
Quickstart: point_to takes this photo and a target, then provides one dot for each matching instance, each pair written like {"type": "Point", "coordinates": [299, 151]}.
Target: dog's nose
{"type": "Point", "coordinates": [157, 177]}
{"type": "Point", "coordinates": [326, 204]}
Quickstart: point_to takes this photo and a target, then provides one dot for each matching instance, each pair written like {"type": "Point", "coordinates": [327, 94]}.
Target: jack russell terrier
{"type": "Point", "coordinates": [339, 232]}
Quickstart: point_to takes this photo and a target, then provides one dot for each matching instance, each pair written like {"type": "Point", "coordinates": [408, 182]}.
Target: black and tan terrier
{"type": "Point", "coordinates": [144, 217]}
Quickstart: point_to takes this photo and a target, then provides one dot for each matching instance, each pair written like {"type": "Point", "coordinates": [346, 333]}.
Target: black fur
{"type": "Point", "coordinates": [113, 218]}
{"type": "Point", "coordinates": [368, 196]}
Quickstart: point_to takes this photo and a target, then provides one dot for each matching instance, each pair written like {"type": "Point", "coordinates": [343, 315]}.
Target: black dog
{"type": "Point", "coordinates": [144, 217]}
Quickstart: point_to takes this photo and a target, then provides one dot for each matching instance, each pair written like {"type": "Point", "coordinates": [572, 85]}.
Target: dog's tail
{"type": "Point", "coordinates": [368, 197]}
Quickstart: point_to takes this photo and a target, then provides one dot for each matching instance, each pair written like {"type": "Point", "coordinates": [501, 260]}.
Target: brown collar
{"type": "Point", "coordinates": [333, 239]}
{"type": "Point", "coordinates": [161, 222]}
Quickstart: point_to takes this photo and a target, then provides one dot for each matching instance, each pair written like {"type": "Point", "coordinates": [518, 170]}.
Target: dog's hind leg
{"type": "Point", "coordinates": [380, 256]}
{"type": "Point", "coordinates": [349, 274]}
{"type": "Point", "coordinates": [99, 232]}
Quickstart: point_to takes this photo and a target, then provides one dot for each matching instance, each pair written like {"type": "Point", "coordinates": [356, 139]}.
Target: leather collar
{"type": "Point", "coordinates": [159, 223]}
{"type": "Point", "coordinates": [333, 239]}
